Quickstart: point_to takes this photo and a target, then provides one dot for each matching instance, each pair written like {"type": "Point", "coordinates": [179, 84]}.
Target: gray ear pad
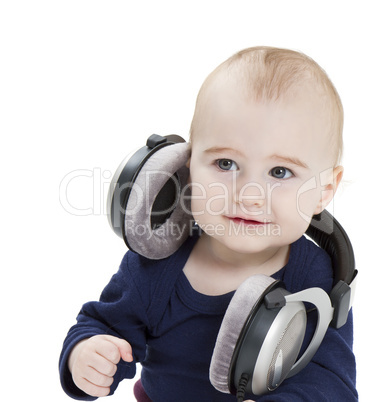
{"type": "Point", "coordinates": [241, 305]}
{"type": "Point", "coordinates": [142, 235]}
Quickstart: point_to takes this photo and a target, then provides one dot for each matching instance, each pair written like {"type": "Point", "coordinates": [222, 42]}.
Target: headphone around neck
{"type": "Point", "coordinates": [264, 326]}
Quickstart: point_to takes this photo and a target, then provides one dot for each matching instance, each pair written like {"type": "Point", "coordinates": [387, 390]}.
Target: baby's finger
{"type": "Point", "coordinates": [103, 347]}
{"type": "Point", "coordinates": [97, 378]}
{"type": "Point", "coordinates": [120, 348]}
{"type": "Point", "coordinates": [103, 365]}
{"type": "Point", "coordinates": [92, 389]}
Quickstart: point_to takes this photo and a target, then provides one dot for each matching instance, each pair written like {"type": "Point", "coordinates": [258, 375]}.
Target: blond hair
{"type": "Point", "coordinates": [270, 73]}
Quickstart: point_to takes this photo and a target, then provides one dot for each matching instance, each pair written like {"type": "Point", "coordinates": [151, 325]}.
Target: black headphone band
{"type": "Point", "coordinates": [329, 234]}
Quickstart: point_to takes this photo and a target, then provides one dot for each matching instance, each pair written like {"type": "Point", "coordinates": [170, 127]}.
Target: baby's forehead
{"type": "Point", "coordinates": [258, 86]}
{"type": "Point", "coordinates": [231, 104]}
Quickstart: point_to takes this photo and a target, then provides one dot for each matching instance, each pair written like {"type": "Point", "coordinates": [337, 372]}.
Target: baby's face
{"type": "Point", "coordinates": [256, 167]}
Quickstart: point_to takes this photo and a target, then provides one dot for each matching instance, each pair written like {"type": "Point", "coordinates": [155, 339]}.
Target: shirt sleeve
{"type": "Point", "coordinates": [120, 312]}
{"type": "Point", "coordinates": [331, 375]}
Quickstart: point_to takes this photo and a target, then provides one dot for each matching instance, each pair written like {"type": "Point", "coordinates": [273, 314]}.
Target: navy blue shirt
{"type": "Point", "coordinates": [172, 329]}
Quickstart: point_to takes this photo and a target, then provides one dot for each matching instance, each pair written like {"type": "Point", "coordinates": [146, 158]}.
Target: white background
{"type": "Point", "coordinates": [83, 83]}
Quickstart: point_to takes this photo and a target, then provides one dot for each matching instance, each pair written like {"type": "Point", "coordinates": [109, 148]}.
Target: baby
{"type": "Point", "coordinates": [266, 143]}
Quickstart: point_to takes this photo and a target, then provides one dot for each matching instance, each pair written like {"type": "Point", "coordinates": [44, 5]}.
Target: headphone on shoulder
{"type": "Point", "coordinates": [263, 329]}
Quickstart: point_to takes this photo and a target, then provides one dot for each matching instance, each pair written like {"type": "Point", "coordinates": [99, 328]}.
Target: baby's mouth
{"type": "Point", "coordinates": [244, 221]}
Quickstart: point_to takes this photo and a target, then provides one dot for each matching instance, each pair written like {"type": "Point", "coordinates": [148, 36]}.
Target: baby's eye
{"type": "Point", "coordinates": [226, 164]}
{"type": "Point", "coordinates": [280, 172]}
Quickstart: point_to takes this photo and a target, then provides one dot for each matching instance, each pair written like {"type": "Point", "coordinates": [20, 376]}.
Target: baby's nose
{"type": "Point", "coordinates": [251, 195]}
{"type": "Point", "coordinates": [252, 201]}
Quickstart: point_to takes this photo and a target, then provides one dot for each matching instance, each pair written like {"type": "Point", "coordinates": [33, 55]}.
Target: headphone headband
{"type": "Point", "coordinates": [329, 234]}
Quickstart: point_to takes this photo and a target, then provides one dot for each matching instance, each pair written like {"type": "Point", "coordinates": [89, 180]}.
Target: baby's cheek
{"type": "Point", "coordinates": [197, 206]}
{"type": "Point", "coordinates": [307, 203]}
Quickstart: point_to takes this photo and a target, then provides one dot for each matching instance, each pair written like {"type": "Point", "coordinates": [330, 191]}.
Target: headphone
{"type": "Point", "coordinates": [263, 329]}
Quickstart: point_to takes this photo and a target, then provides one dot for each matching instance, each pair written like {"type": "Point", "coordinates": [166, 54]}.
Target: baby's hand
{"type": "Point", "coordinates": [93, 363]}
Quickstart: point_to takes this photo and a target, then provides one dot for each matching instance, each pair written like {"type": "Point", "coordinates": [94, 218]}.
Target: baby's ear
{"type": "Point", "coordinates": [329, 184]}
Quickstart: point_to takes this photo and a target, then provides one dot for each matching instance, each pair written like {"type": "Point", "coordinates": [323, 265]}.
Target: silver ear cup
{"type": "Point", "coordinates": [275, 335]}
{"type": "Point", "coordinates": [268, 347]}
{"type": "Point", "coordinates": [280, 348]}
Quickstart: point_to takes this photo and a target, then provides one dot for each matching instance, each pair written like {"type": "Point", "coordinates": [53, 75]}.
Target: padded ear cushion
{"type": "Point", "coordinates": [244, 300]}
{"type": "Point", "coordinates": [164, 176]}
